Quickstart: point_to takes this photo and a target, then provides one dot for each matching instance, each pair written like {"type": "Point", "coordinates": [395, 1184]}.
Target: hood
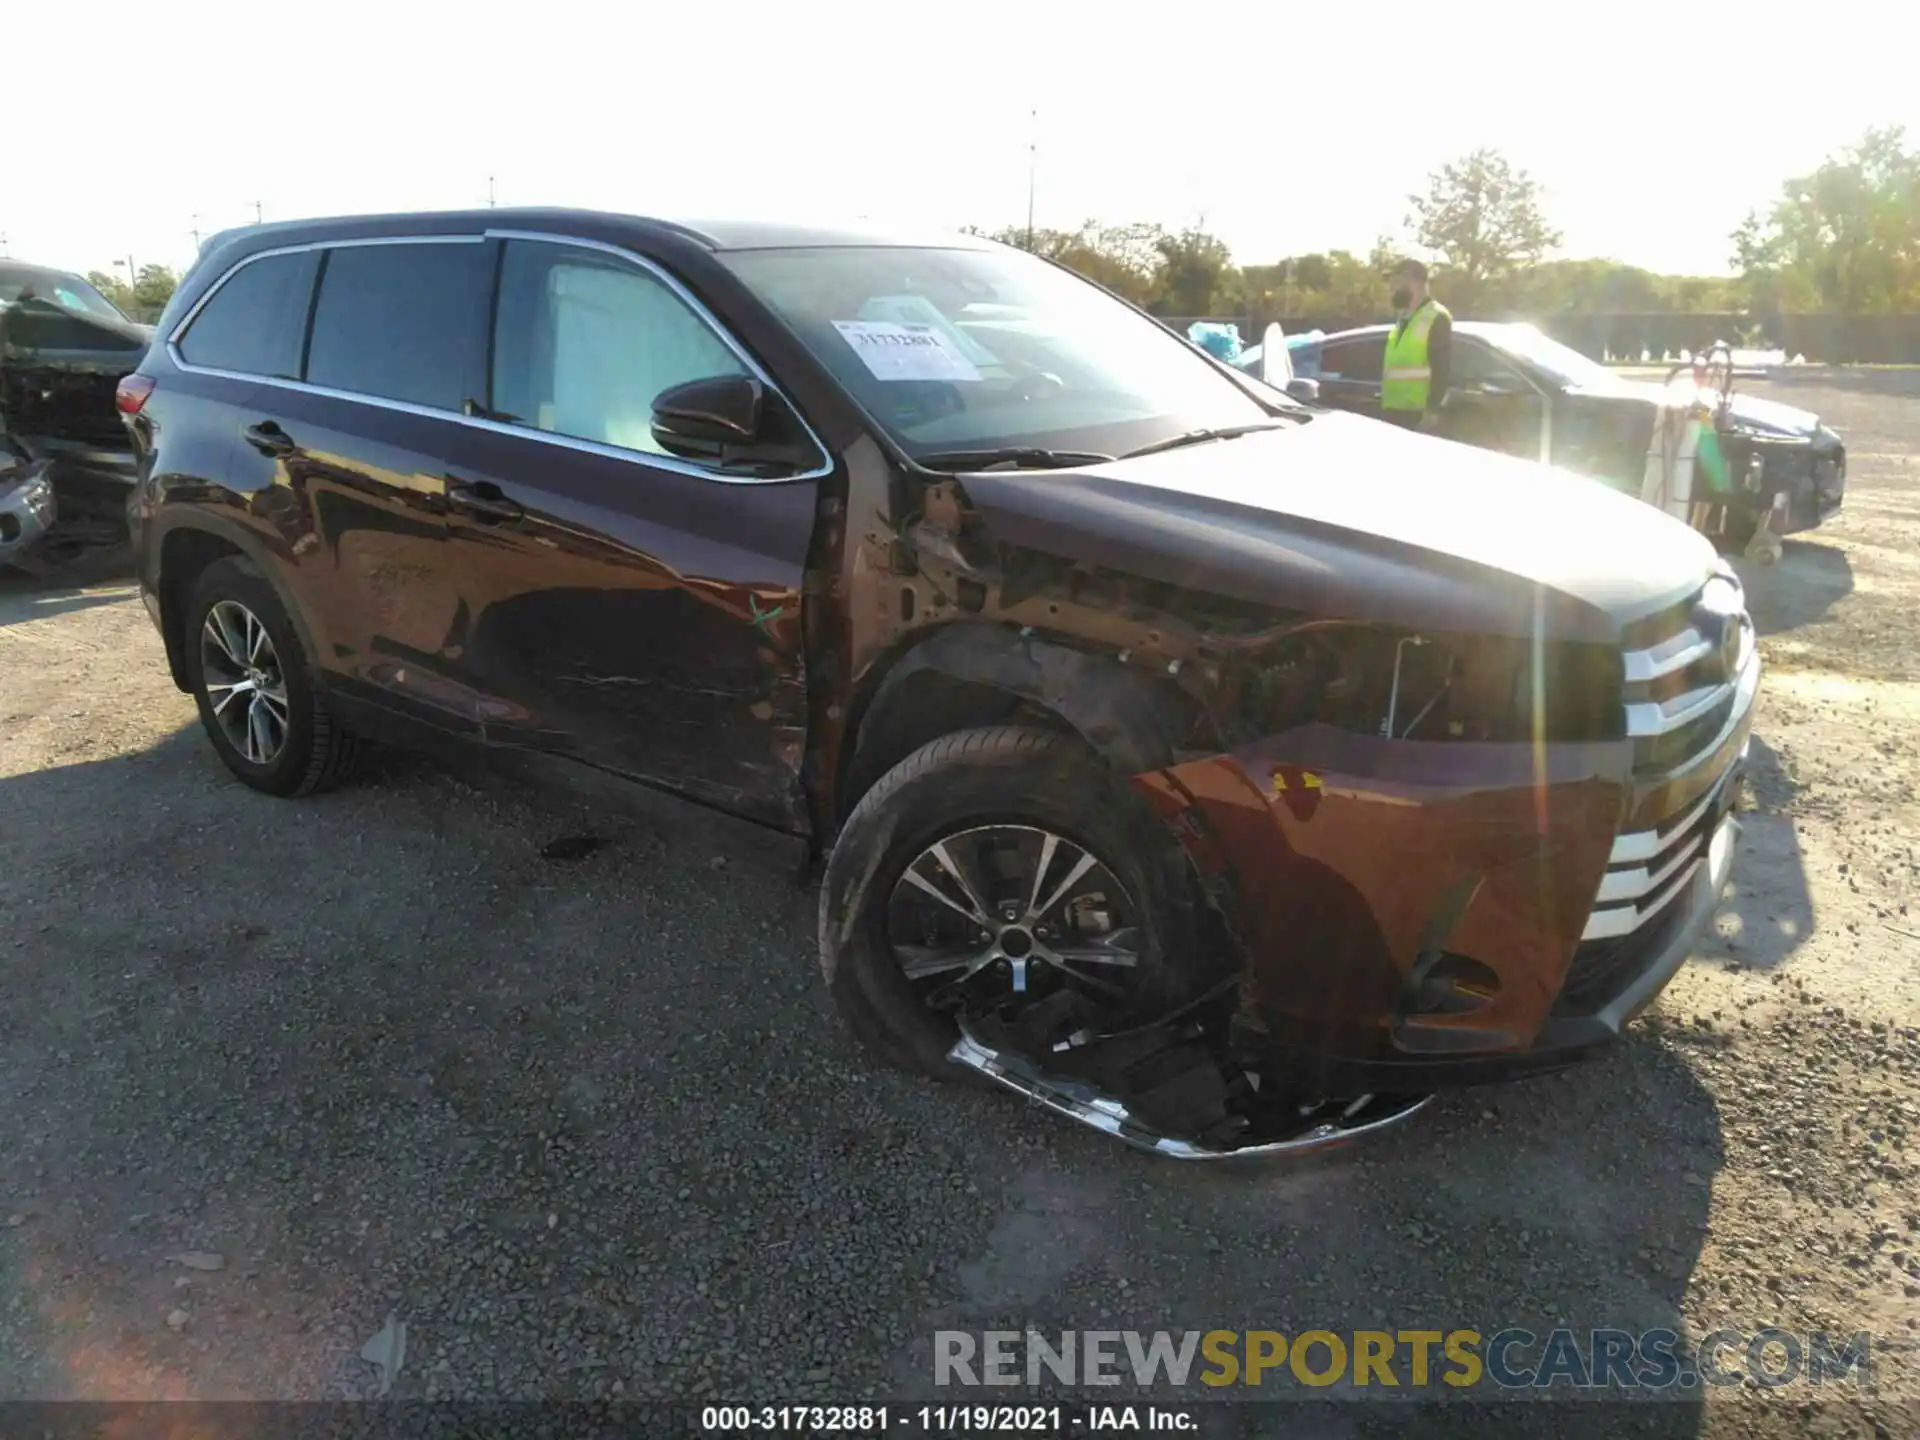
{"type": "Point", "coordinates": [1349, 516]}
{"type": "Point", "coordinates": [1770, 417]}
{"type": "Point", "coordinates": [49, 336]}
{"type": "Point", "coordinates": [1750, 412]}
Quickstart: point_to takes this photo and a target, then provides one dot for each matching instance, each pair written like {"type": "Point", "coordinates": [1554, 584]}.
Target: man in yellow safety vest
{"type": "Point", "coordinates": [1414, 372]}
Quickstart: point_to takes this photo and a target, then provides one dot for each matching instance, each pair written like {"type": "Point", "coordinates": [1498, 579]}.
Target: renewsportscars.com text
{"type": "Point", "coordinates": [1461, 1359]}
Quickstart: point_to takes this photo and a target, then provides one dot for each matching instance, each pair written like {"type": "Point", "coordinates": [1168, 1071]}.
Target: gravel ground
{"type": "Point", "coordinates": [270, 1073]}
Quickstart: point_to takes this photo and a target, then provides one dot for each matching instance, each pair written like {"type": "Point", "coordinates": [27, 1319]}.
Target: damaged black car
{"type": "Point", "coordinates": [66, 467]}
{"type": "Point", "coordinates": [1742, 470]}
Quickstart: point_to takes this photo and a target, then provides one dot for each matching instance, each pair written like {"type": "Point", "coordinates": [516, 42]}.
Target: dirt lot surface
{"type": "Point", "coordinates": [272, 1072]}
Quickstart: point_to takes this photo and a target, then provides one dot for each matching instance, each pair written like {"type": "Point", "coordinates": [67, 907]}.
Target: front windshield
{"type": "Point", "coordinates": [1562, 362]}
{"type": "Point", "coordinates": [989, 349]}
{"type": "Point", "coordinates": [69, 292]}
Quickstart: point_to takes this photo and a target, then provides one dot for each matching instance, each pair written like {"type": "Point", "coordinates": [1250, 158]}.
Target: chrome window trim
{"type": "Point", "coordinates": [173, 337]}
{"type": "Point", "coordinates": [501, 427]}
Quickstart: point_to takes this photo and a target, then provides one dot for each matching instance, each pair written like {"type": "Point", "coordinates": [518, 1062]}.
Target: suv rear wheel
{"type": "Point", "coordinates": [249, 677]}
{"type": "Point", "coordinates": [987, 873]}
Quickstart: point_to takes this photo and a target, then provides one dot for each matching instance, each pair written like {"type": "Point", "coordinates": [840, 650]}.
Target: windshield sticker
{"type": "Point", "coordinates": [917, 310]}
{"type": "Point", "coordinates": [905, 352]}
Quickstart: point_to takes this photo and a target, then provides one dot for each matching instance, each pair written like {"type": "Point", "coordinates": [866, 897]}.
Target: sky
{"type": "Point", "coordinates": [1654, 128]}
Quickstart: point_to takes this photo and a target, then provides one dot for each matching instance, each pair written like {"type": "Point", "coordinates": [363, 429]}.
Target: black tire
{"type": "Point", "coordinates": [998, 775]}
{"type": "Point", "coordinates": [316, 751]}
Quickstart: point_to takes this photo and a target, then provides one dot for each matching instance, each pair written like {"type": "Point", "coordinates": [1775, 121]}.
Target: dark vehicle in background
{"type": "Point", "coordinates": [1194, 762]}
{"type": "Point", "coordinates": [1779, 471]}
{"type": "Point", "coordinates": [66, 469]}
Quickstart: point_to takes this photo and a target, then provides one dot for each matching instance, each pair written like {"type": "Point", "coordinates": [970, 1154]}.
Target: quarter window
{"type": "Point", "coordinates": [254, 323]}
{"type": "Point", "coordinates": [585, 342]}
{"type": "Point", "coordinates": [403, 322]}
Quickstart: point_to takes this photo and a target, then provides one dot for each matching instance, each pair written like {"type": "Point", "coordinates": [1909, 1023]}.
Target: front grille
{"type": "Point", "coordinates": [1683, 690]}
{"type": "Point", "coordinates": [1601, 969]}
{"type": "Point", "coordinates": [1649, 869]}
{"type": "Point", "coordinates": [1686, 691]}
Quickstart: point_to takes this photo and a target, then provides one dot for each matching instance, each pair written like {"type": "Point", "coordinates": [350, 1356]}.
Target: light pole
{"type": "Point", "coordinates": [132, 276]}
{"type": "Point", "coordinates": [1033, 162]}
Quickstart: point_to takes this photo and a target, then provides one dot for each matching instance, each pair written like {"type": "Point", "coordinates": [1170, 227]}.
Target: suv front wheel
{"type": "Point", "coordinates": [249, 677]}
{"type": "Point", "coordinates": [1005, 873]}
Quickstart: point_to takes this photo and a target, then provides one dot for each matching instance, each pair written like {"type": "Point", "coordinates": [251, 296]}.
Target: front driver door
{"type": "Point", "coordinates": [1491, 404]}
{"type": "Point", "coordinates": [620, 605]}
{"type": "Point", "coordinates": [1349, 373]}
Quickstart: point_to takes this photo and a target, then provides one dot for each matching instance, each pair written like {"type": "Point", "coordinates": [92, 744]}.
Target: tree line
{"type": "Point", "coordinates": [1843, 240]}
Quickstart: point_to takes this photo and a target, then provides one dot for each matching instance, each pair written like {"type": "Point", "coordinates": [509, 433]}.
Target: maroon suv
{"type": "Point", "coordinates": [1223, 771]}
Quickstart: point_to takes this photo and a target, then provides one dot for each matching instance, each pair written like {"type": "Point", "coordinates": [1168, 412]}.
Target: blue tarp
{"type": "Point", "coordinates": [1218, 340]}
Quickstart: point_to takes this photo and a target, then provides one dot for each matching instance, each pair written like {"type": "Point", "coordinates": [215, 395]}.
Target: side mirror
{"type": "Point", "coordinates": [727, 421]}
{"type": "Point", "coordinates": [704, 419]}
{"type": "Point", "coordinates": [1304, 390]}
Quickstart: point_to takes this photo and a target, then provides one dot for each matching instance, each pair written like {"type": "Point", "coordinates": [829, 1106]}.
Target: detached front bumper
{"type": "Point", "coordinates": [27, 507]}
{"type": "Point", "coordinates": [1413, 915]}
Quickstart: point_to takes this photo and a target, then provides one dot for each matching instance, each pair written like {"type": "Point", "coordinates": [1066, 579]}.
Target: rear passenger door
{"type": "Point", "coordinates": [627, 607]}
{"type": "Point", "coordinates": [252, 326]}
{"type": "Point", "coordinates": [360, 449]}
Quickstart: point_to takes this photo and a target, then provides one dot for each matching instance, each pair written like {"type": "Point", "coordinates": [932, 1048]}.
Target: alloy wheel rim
{"type": "Point", "coordinates": [1001, 914]}
{"type": "Point", "coordinates": [246, 687]}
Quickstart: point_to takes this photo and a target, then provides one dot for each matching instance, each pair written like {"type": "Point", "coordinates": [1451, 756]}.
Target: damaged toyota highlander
{"type": "Point", "coordinates": [1223, 772]}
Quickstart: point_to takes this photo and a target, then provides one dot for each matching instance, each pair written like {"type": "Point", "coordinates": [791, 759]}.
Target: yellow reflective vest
{"type": "Point", "coordinates": [1406, 376]}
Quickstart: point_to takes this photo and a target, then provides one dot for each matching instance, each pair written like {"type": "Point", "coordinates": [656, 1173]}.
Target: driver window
{"type": "Point", "coordinates": [584, 342]}
{"type": "Point", "coordinates": [1474, 364]}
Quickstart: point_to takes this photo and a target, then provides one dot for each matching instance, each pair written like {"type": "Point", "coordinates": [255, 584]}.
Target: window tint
{"type": "Point", "coordinates": [1306, 361]}
{"type": "Point", "coordinates": [402, 322]}
{"type": "Point", "coordinates": [585, 342]}
{"type": "Point", "coordinates": [254, 323]}
{"type": "Point", "coordinates": [1353, 359]}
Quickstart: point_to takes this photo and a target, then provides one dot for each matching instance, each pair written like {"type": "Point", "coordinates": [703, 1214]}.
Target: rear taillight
{"type": "Point", "coordinates": [131, 394]}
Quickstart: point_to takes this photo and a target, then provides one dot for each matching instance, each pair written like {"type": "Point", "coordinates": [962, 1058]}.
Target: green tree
{"type": "Point", "coordinates": [145, 298]}
{"type": "Point", "coordinates": [1123, 258]}
{"type": "Point", "coordinates": [1197, 275]}
{"type": "Point", "coordinates": [1846, 237]}
{"type": "Point", "coordinates": [1335, 285]}
{"type": "Point", "coordinates": [1483, 219]}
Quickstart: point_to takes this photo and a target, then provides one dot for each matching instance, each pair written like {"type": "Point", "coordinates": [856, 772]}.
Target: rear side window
{"type": "Point", "coordinates": [1353, 359]}
{"type": "Point", "coordinates": [585, 342]}
{"type": "Point", "coordinates": [255, 322]}
{"type": "Point", "coordinates": [402, 322]}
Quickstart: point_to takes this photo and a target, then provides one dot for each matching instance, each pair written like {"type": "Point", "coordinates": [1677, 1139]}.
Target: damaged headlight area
{"type": "Point", "coordinates": [1403, 684]}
